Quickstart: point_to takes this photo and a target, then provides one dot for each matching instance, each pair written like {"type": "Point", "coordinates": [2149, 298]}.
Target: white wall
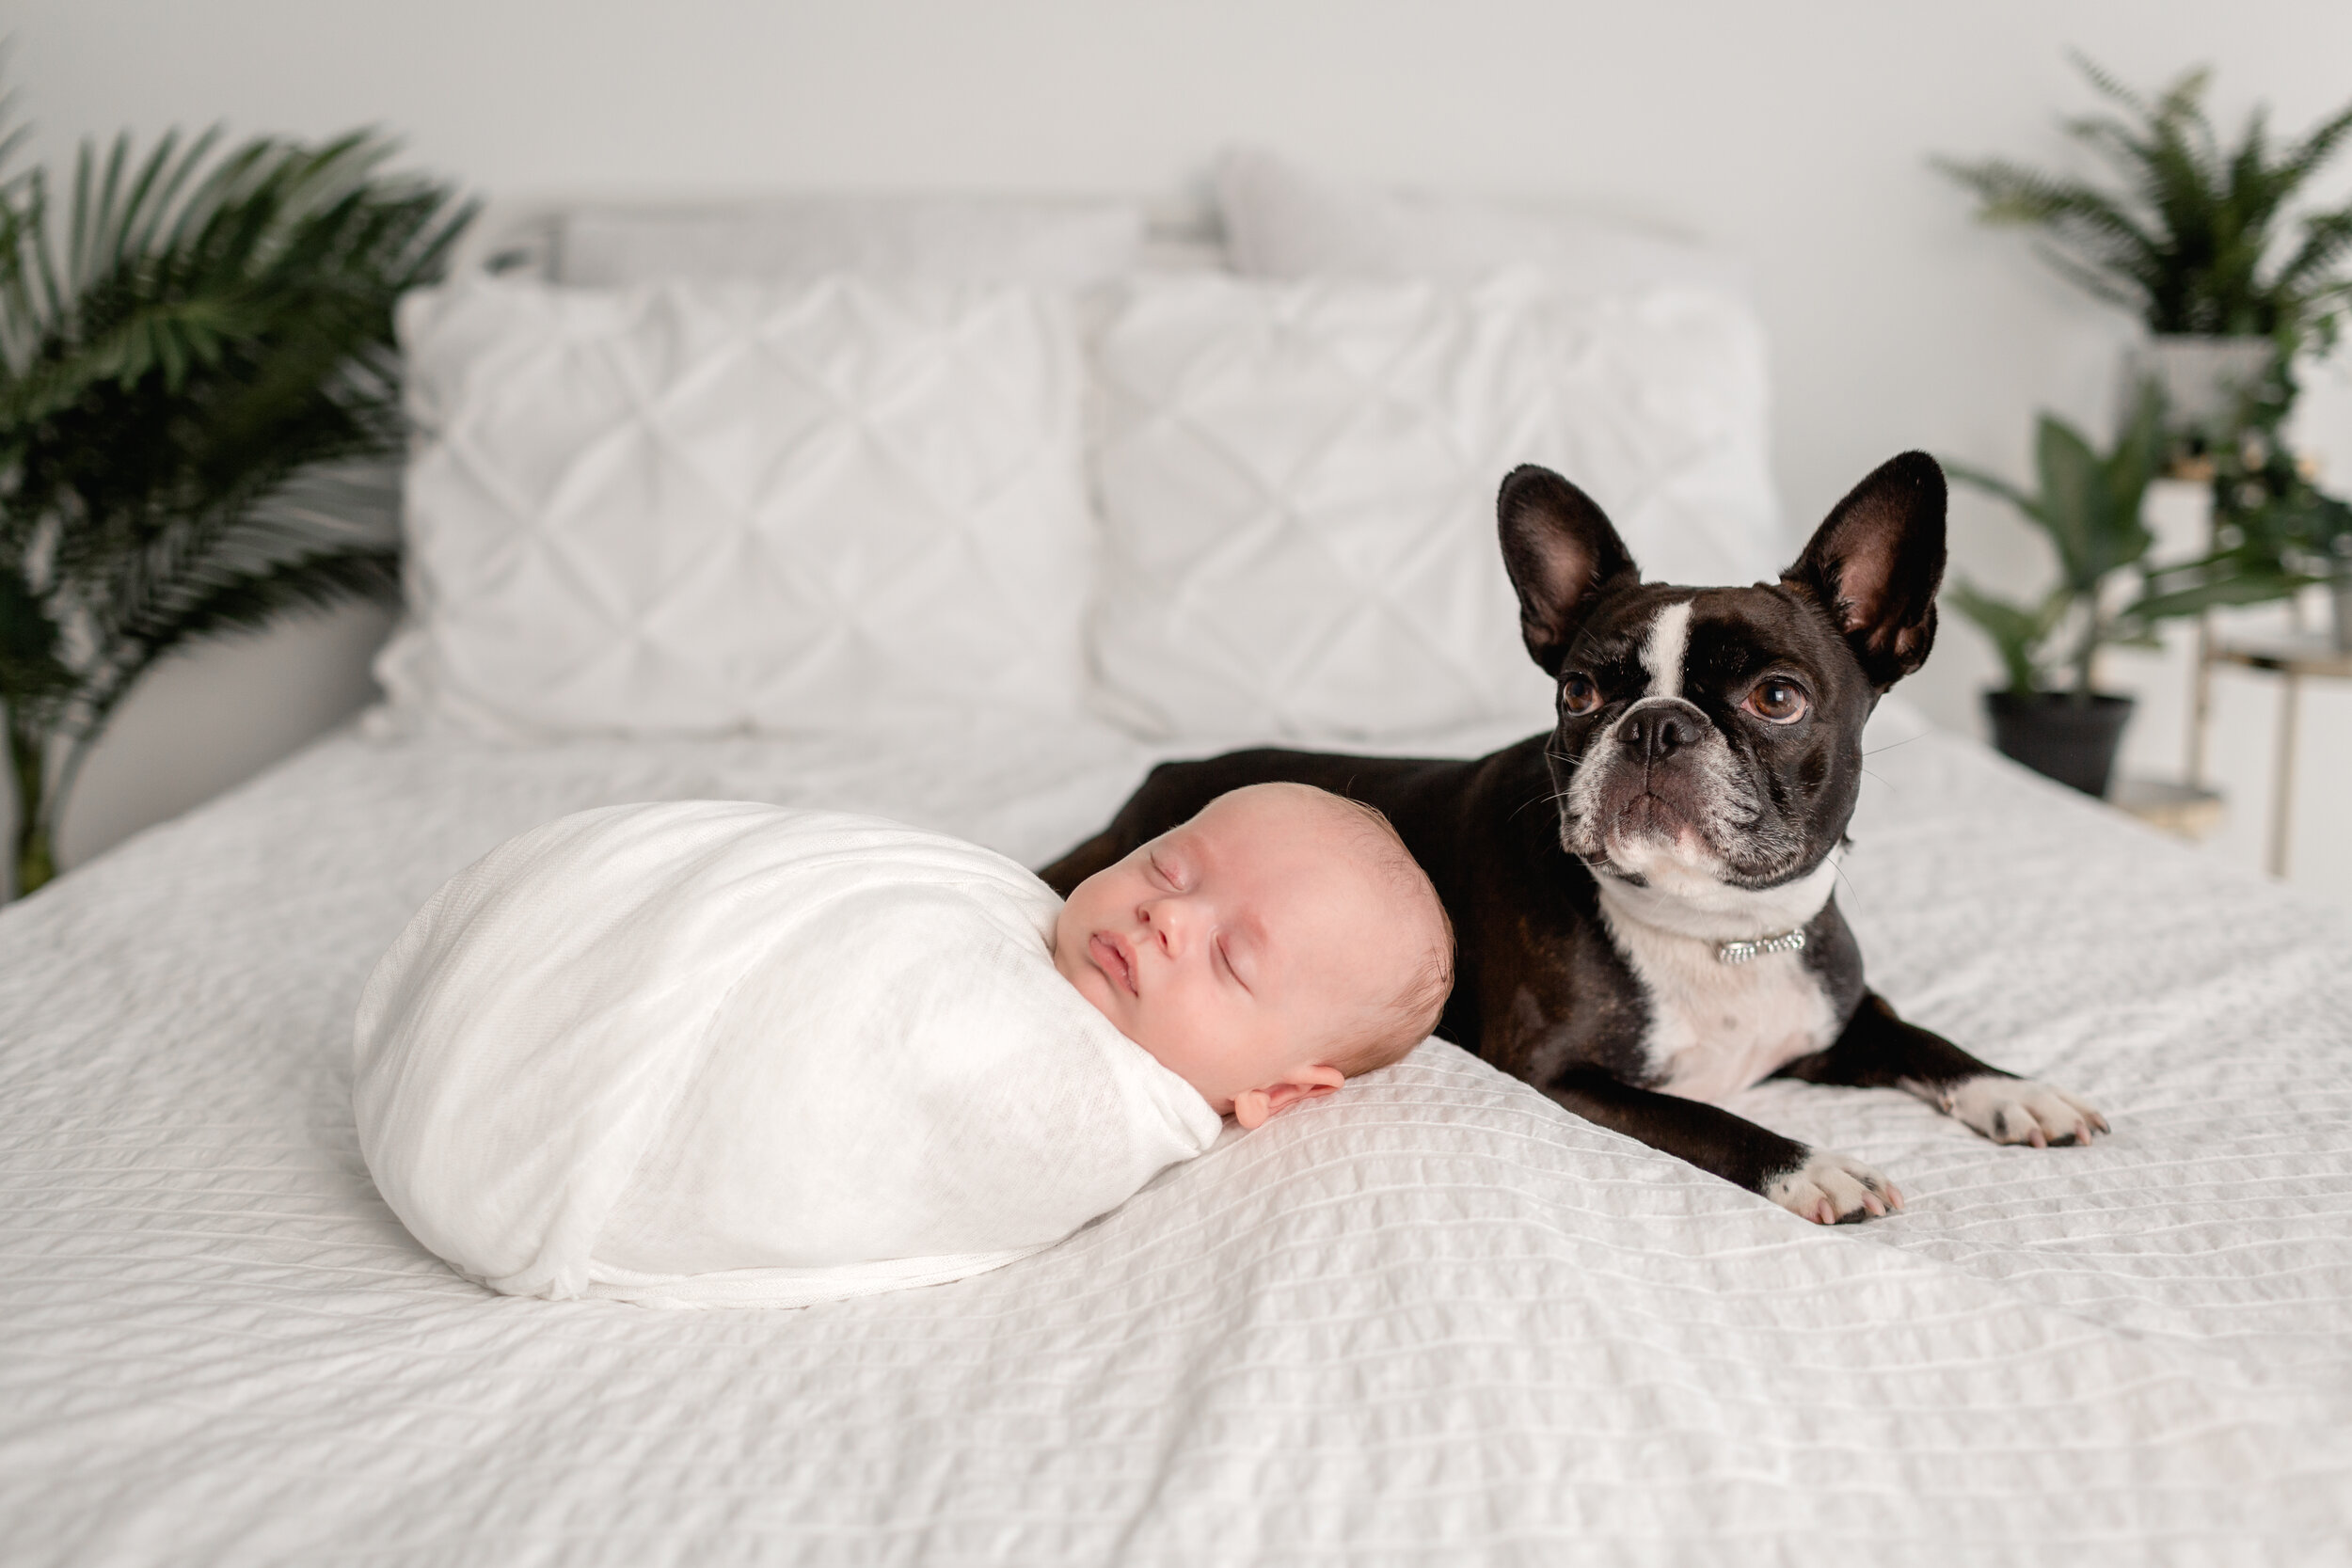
{"type": "Point", "coordinates": [207, 720]}
{"type": "Point", "coordinates": [1797, 134]}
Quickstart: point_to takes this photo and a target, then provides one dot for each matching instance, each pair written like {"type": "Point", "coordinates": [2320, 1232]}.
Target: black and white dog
{"type": "Point", "coordinates": [1667, 933]}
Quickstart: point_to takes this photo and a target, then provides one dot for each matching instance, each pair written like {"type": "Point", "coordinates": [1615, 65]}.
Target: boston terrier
{"type": "Point", "coordinates": [1645, 896]}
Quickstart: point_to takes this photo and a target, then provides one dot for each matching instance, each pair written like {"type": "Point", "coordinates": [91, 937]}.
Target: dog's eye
{"type": "Point", "coordinates": [1777, 701]}
{"type": "Point", "coordinates": [1578, 694]}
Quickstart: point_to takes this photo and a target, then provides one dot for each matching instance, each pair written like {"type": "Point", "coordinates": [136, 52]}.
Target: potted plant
{"type": "Point", "coordinates": [2271, 525]}
{"type": "Point", "coordinates": [2051, 715]}
{"type": "Point", "coordinates": [2195, 239]}
{"type": "Point", "coordinates": [187, 365]}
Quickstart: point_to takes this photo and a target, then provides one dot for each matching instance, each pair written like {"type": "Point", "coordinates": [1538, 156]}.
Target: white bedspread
{"type": "Point", "coordinates": [1432, 1318]}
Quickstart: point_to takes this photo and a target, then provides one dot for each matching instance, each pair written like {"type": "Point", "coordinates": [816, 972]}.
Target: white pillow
{"type": "Point", "coordinates": [1298, 485]}
{"type": "Point", "coordinates": [1068, 243]}
{"type": "Point", "coordinates": [1282, 220]}
{"type": "Point", "coordinates": [691, 509]}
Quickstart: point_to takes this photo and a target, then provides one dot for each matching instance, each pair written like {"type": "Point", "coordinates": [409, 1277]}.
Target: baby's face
{"type": "Point", "coordinates": [1235, 947]}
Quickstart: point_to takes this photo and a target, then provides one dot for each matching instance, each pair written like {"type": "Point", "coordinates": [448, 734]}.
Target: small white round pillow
{"type": "Point", "coordinates": [723, 1053]}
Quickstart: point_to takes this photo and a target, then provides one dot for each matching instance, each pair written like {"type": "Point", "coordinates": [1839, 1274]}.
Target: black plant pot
{"type": "Point", "coordinates": [2054, 734]}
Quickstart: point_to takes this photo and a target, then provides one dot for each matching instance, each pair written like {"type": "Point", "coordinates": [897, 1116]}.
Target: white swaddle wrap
{"type": "Point", "coordinates": [718, 1053]}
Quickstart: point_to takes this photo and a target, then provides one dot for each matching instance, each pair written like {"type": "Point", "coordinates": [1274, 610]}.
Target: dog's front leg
{"type": "Point", "coordinates": [1878, 1049]}
{"type": "Point", "coordinates": [1815, 1184]}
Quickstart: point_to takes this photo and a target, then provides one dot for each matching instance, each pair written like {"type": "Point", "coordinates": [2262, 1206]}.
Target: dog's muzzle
{"type": "Point", "coordinates": [1655, 775]}
{"type": "Point", "coordinates": [1655, 728]}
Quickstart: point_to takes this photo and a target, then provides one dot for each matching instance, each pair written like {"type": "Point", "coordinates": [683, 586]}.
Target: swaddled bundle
{"type": "Point", "coordinates": [718, 1052]}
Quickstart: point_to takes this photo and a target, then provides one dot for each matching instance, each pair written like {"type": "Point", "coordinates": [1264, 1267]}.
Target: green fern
{"type": "Point", "coordinates": [2187, 238]}
{"type": "Point", "coordinates": [197, 387]}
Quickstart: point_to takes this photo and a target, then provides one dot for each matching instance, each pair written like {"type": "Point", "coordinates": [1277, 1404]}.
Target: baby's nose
{"type": "Point", "coordinates": [1164, 923]}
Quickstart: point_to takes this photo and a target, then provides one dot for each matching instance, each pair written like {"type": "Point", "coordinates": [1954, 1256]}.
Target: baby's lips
{"type": "Point", "coordinates": [1113, 959]}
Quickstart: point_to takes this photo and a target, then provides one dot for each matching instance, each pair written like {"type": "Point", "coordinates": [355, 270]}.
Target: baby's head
{"type": "Point", "coordinates": [1274, 946]}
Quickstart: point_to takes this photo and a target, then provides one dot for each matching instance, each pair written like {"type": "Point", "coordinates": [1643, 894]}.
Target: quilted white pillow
{"type": "Point", "coordinates": [1297, 484]}
{"type": "Point", "coordinates": [685, 508]}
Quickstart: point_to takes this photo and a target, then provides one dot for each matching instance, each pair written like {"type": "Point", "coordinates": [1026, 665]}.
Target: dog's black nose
{"type": "Point", "coordinates": [1655, 732]}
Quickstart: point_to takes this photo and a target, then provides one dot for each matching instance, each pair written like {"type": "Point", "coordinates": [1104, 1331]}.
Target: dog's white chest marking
{"type": "Point", "coordinates": [1715, 1028]}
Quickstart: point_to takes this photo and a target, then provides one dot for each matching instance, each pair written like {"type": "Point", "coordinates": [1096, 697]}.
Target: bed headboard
{"type": "Point", "coordinates": [1181, 232]}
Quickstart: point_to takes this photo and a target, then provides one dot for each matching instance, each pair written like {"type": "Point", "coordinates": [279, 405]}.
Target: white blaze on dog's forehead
{"type": "Point", "coordinates": [1662, 655]}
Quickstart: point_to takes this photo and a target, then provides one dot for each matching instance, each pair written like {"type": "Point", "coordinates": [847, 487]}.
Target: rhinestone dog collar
{"type": "Point", "coordinates": [1741, 952]}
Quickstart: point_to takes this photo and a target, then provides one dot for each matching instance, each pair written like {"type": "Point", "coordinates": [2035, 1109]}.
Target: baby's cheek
{"type": "Point", "coordinates": [1183, 1039]}
{"type": "Point", "coordinates": [1068, 950]}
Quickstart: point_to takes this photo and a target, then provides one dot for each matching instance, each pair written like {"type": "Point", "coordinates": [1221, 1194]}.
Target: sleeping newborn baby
{"type": "Point", "coordinates": [717, 1052]}
{"type": "Point", "coordinates": [1278, 943]}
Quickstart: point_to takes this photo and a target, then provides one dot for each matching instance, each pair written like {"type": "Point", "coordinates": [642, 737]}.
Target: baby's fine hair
{"type": "Point", "coordinates": [1409, 1013]}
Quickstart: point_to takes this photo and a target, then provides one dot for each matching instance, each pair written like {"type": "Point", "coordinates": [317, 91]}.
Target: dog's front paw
{"type": "Point", "coordinates": [2020, 1111]}
{"type": "Point", "coordinates": [1833, 1189]}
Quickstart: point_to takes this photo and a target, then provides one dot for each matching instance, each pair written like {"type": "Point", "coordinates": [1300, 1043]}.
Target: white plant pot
{"type": "Point", "coordinates": [2341, 590]}
{"type": "Point", "coordinates": [2204, 379]}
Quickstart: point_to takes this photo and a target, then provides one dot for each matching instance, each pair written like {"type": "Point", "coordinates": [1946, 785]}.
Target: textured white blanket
{"type": "Point", "coordinates": [718, 1052]}
{"type": "Point", "coordinates": [1433, 1318]}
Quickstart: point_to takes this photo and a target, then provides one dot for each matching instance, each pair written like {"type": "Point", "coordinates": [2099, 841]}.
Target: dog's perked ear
{"type": "Point", "coordinates": [1561, 552]}
{"type": "Point", "coordinates": [1875, 565]}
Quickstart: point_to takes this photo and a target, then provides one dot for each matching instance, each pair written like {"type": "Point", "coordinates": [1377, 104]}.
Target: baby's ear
{"type": "Point", "coordinates": [1252, 1107]}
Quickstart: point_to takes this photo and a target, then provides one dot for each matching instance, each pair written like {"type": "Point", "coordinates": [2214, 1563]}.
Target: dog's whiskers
{"type": "Point", "coordinates": [1531, 800]}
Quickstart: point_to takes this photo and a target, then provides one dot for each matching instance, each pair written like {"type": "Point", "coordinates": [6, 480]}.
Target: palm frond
{"type": "Point", "coordinates": [14, 134]}
{"type": "Point", "coordinates": [31, 670]}
{"type": "Point", "coordinates": [2316, 148]}
{"type": "Point", "coordinates": [53, 304]}
{"type": "Point", "coordinates": [2186, 234]}
{"type": "Point", "coordinates": [189, 580]}
{"type": "Point", "coordinates": [195, 361]}
{"type": "Point", "coordinates": [315, 583]}
{"type": "Point", "coordinates": [2121, 286]}
{"type": "Point", "coordinates": [2327, 239]}
{"type": "Point", "coordinates": [158, 201]}
{"type": "Point", "coordinates": [2253, 184]}
{"type": "Point", "coordinates": [2107, 85]}
{"type": "Point", "coordinates": [2012, 194]}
